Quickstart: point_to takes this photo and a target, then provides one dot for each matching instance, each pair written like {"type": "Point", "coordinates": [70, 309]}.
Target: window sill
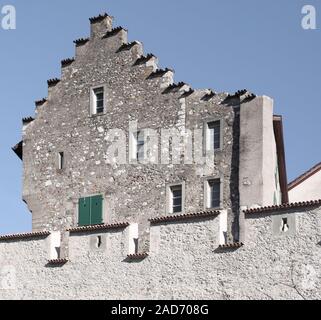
{"type": "Point", "coordinates": [96, 115]}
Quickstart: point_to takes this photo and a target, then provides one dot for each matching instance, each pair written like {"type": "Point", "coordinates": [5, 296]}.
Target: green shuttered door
{"type": "Point", "coordinates": [96, 210]}
{"type": "Point", "coordinates": [84, 211]}
{"type": "Point", "coordinates": [90, 211]}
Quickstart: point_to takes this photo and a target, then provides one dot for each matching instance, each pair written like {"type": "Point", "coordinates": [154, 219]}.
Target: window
{"type": "Point", "coordinates": [213, 135]}
{"type": "Point", "coordinates": [176, 199]}
{"type": "Point", "coordinates": [284, 225]}
{"type": "Point", "coordinates": [140, 145]}
{"type": "Point", "coordinates": [61, 160]}
{"type": "Point", "coordinates": [213, 193]}
{"type": "Point", "coordinates": [90, 211]}
{"type": "Point", "coordinates": [98, 101]}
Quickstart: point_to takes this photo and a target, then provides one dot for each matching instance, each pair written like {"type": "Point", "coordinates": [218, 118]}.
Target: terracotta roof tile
{"type": "Point", "coordinates": [99, 227]}
{"type": "Point", "coordinates": [127, 46]}
{"type": "Point", "coordinates": [99, 18]}
{"type": "Point", "coordinates": [191, 216]}
{"type": "Point", "coordinates": [144, 59]}
{"type": "Point", "coordinates": [67, 62]}
{"type": "Point", "coordinates": [27, 120]}
{"type": "Point", "coordinates": [138, 256]}
{"type": "Point", "coordinates": [113, 32]}
{"type": "Point", "coordinates": [81, 41]}
{"type": "Point", "coordinates": [159, 73]}
{"type": "Point", "coordinates": [283, 207]}
{"type": "Point", "coordinates": [57, 262]}
{"type": "Point", "coordinates": [40, 102]}
{"type": "Point", "coordinates": [53, 82]}
{"type": "Point", "coordinates": [188, 93]}
{"type": "Point", "coordinates": [174, 87]}
{"type": "Point", "coordinates": [234, 245]}
{"type": "Point", "coordinates": [24, 236]}
{"type": "Point", "coordinates": [306, 175]}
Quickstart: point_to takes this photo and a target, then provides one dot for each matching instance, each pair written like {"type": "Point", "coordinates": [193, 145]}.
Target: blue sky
{"type": "Point", "coordinates": [225, 45]}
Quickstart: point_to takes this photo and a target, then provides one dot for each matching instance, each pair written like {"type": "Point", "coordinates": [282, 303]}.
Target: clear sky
{"type": "Point", "coordinates": [226, 45]}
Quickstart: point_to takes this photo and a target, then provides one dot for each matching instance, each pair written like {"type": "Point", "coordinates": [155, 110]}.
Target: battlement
{"type": "Point", "coordinates": [186, 260]}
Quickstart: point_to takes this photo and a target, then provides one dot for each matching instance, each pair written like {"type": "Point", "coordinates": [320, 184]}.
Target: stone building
{"type": "Point", "coordinates": [110, 91]}
{"type": "Point", "coordinates": [119, 212]}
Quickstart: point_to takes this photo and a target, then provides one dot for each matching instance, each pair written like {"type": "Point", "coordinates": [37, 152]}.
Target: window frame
{"type": "Point", "coordinates": [134, 155]}
{"type": "Point", "coordinates": [93, 101]}
{"type": "Point", "coordinates": [207, 190]}
{"type": "Point", "coordinates": [169, 198]}
{"type": "Point", "coordinates": [206, 136]}
{"type": "Point", "coordinates": [104, 207]}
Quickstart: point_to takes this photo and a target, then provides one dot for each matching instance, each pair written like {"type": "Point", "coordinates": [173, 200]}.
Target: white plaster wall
{"type": "Point", "coordinates": [184, 263]}
{"type": "Point", "coordinates": [258, 158]}
{"type": "Point", "coordinates": [309, 189]}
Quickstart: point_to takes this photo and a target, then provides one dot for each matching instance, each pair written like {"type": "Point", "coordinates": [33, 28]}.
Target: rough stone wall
{"type": "Point", "coordinates": [184, 263]}
{"type": "Point", "coordinates": [63, 124]}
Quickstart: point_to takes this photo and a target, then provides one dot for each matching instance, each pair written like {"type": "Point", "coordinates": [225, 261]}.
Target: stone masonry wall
{"type": "Point", "coordinates": [134, 93]}
{"type": "Point", "coordinates": [185, 262]}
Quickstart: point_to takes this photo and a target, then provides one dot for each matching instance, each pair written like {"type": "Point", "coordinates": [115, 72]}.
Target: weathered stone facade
{"type": "Point", "coordinates": [136, 90]}
{"type": "Point", "coordinates": [184, 262]}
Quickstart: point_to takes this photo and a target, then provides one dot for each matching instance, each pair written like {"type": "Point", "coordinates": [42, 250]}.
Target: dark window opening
{"type": "Point", "coordinates": [99, 242]}
{"type": "Point", "coordinates": [214, 193]}
{"type": "Point", "coordinates": [177, 200]}
{"type": "Point", "coordinates": [140, 145]}
{"type": "Point", "coordinates": [285, 226]}
{"type": "Point", "coordinates": [61, 160]}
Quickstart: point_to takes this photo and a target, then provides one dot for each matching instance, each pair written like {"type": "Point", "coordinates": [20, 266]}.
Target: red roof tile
{"type": "Point", "coordinates": [283, 207]}
{"type": "Point", "coordinates": [231, 245]}
{"type": "Point", "coordinates": [198, 215]}
{"type": "Point", "coordinates": [24, 235]}
{"type": "Point", "coordinates": [138, 256]}
{"type": "Point", "coordinates": [57, 262]}
{"type": "Point", "coordinates": [99, 227]}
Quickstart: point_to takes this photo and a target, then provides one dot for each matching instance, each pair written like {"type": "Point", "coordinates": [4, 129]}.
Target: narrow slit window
{"type": "Point", "coordinates": [99, 242]}
{"type": "Point", "coordinates": [140, 145]}
{"type": "Point", "coordinates": [214, 193]}
{"type": "Point", "coordinates": [61, 160]}
{"type": "Point", "coordinates": [213, 135]}
{"type": "Point", "coordinates": [176, 201]}
{"type": "Point", "coordinates": [98, 100]}
{"type": "Point", "coordinates": [285, 226]}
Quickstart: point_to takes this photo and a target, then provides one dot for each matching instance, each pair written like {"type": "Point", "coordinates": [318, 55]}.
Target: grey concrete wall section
{"type": "Point", "coordinates": [258, 158]}
{"type": "Point", "coordinates": [64, 124]}
{"type": "Point", "coordinates": [184, 263]}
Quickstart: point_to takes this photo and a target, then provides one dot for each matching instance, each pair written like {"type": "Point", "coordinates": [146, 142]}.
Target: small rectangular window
{"type": "Point", "coordinates": [213, 138]}
{"type": "Point", "coordinates": [140, 144]}
{"type": "Point", "coordinates": [61, 160]}
{"type": "Point", "coordinates": [214, 193]}
{"type": "Point", "coordinates": [98, 102]}
{"type": "Point", "coordinates": [176, 201]}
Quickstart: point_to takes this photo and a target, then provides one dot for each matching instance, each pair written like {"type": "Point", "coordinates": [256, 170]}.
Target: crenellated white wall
{"type": "Point", "coordinates": [184, 262]}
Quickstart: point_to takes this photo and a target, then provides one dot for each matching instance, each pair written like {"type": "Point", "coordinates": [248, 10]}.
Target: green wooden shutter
{"type": "Point", "coordinates": [84, 212]}
{"type": "Point", "coordinates": [96, 210]}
